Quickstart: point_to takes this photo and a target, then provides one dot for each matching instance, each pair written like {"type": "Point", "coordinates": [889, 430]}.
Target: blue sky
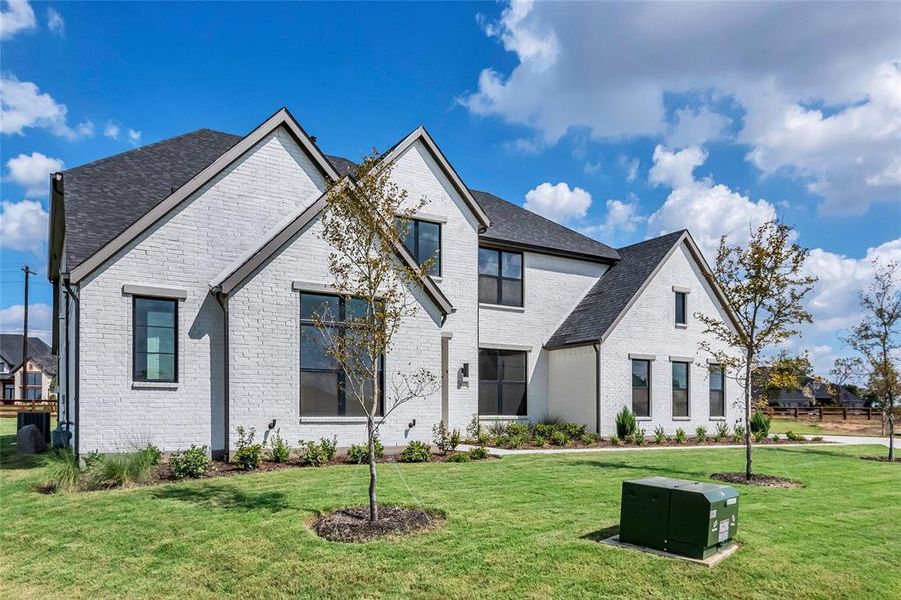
{"type": "Point", "coordinates": [622, 121]}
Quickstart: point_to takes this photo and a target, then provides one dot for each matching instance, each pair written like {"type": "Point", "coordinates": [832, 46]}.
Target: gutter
{"type": "Point", "coordinates": [597, 384]}
{"type": "Point", "coordinates": [222, 299]}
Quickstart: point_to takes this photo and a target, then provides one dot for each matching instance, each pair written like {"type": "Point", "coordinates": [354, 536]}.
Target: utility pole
{"type": "Point", "coordinates": [27, 272]}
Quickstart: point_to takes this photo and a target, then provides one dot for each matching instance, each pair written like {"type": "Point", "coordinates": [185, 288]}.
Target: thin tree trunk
{"type": "Point", "coordinates": [891, 432]}
{"type": "Point", "coordinates": [373, 477]}
{"type": "Point", "coordinates": [748, 463]}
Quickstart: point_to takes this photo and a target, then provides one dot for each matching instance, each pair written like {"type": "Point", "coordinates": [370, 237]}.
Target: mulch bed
{"type": "Point", "coordinates": [882, 458]}
{"type": "Point", "coordinates": [671, 443]}
{"type": "Point", "coordinates": [353, 524]}
{"type": "Point", "coordinates": [761, 480]}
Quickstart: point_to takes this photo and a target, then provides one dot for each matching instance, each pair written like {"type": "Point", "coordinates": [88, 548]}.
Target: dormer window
{"type": "Point", "coordinates": [423, 240]}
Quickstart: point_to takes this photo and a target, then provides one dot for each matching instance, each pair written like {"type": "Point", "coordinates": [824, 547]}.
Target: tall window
{"type": "Point", "coordinates": [33, 378]}
{"type": "Point", "coordinates": [9, 391]}
{"type": "Point", "coordinates": [680, 308]}
{"type": "Point", "coordinates": [423, 240]}
{"type": "Point", "coordinates": [641, 387]}
{"type": "Point", "coordinates": [500, 277]}
{"type": "Point", "coordinates": [155, 335]}
{"type": "Point", "coordinates": [32, 394]}
{"type": "Point", "coordinates": [502, 382]}
{"type": "Point", "coordinates": [680, 389]}
{"type": "Point", "coordinates": [323, 383]}
{"type": "Point", "coordinates": [717, 391]}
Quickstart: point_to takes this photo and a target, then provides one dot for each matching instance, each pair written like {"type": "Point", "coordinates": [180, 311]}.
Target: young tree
{"type": "Point", "coordinates": [843, 371]}
{"type": "Point", "coordinates": [876, 339]}
{"type": "Point", "coordinates": [764, 284]}
{"type": "Point", "coordinates": [364, 222]}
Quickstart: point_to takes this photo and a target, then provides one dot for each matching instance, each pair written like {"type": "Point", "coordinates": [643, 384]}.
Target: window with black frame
{"type": "Point", "coordinates": [323, 383]}
{"type": "Point", "coordinates": [500, 277]}
{"type": "Point", "coordinates": [155, 340]}
{"type": "Point", "coordinates": [641, 387]}
{"type": "Point", "coordinates": [681, 316]}
{"type": "Point", "coordinates": [502, 382]}
{"type": "Point", "coordinates": [423, 240]}
{"type": "Point", "coordinates": [680, 389]}
{"type": "Point", "coordinates": [717, 391]}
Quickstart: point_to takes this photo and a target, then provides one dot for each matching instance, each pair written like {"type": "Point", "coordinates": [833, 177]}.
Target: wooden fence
{"type": "Point", "coordinates": [9, 408]}
{"type": "Point", "coordinates": [822, 412]}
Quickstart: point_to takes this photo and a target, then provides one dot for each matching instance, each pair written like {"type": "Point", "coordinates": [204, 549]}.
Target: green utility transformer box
{"type": "Point", "coordinates": [689, 518]}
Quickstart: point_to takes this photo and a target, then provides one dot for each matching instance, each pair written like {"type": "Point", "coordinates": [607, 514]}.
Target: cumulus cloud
{"type": "Point", "coordinates": [31, 172]}
{"type": "Point", "coordinates": [23, 105]}
{"type": "Point", "coordinates": [17, 16]}
{"type": "Point", "coordinates": [39, 320]}
{"type": "Point", "coordinates": [621, 217]}
{"type": "Point", "coordinates": [559, 202]}
{"type": "Point", "coordinates": [23, 226]}
{"type": "Point", "coordinates": [114, 131]}
{"type": "Point", "coordinates": [55, 23]}
{"type": "Point", "coordinates": [709, 210]}
{"type": "Point", "coordinates": [607, 68]}
{"type": "Point", "coordinates": [630, 165]}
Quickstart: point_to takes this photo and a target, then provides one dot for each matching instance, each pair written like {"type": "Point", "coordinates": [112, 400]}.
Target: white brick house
{"type": "Point", "coordinates": [181, 270]}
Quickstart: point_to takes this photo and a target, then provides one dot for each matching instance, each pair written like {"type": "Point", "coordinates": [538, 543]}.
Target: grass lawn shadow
{"type": "Point", "coordinates": [10, 460]}
{"type": "Point", "coordinates": [606, 464]}
{"type": "Point", "coordinates": [601, 534]}
{"type": "Point", "coordinates": [222, 496]}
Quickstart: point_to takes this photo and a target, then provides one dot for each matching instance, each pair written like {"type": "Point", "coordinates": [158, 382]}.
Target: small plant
{"type": "Point", "coordinates": [760, 422]}
{"type": "Point", "coordinates": [359, 453]}
{"type": "Point", "coordinates": [539, 441]}
{"type": "Point", "coordinates": [416, 451]}
{"type": "Point", "coordinates": [775, 437]}
{"type": "Point", "coordinates": [329, 447]}
{"type": "Point", "coordinates": [446, 441]}
{"type": "Point", "coordinates": [615, 441]}
{"type": "Point", "coordinates": [153, 453]}
{"type": "Point", "coordinates": [680, 435]}
{"type": "Point", "coordinates": [62, 470]}
{"type": "Point", "coordinates": [316, 454]}
{"type": "Point", "coordinates": [478, 453]}
{"type": "Point", "coordinates": [278, 452]}
{"type": "Point", "coordinates": [559, 438]}
{"type": "Point", "coordinates": [458, 457]}
{"type": "Point", "coordinates": [484, 438]}
{"type": "Point", "coordinates": [625, 423]}
{"type": "Point", "coordinates": [588, 439]}
{"type": "Point", "coordinates": [722, 432]}
{"type": "Point", "coordinates": [759, 436]}
{"type": "Point", "coordinates": [637, 437]}
{"type": "Point", "coordinates": [118, 470]}
{"type": "Point", "coordinates": [659, 435]}
{"type": "Point", "coordinates": [518, 429]}
{"type": "Point", "coordinates": [192, 462]}
{"type": "Point", "coordinates": [497, 429]}
{"type": "Point", "coordinates": [92, 459]}
{"type": "Point", "coordinates": [701, 434]}
{"type": "Point", "coordinates": [739, 434]}
{"type": "Point", "coordinates": [248, 455]}
{"type": "Point", "coordinates": [816, 438]}
{"type": "Point", "coordinates": [795, 437]}
{"type": "Point", "coordinates": [515, 441]}
{"type": "Point", "coordinates": [474, 429]}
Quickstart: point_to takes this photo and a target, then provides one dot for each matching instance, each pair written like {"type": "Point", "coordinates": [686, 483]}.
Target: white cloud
{"type": "Point", "coordinates": [631, 167]}
{"type": "Point", "coordinates": [621, 217]}
{"type": "Point", "coordinates": [134, 136]}
{"type": "Point", "coordinates": [22, 105]}
{"type": "Point", "coordinates": [608, 67]}
{"type": "Point", "coordinates": [23, 226]}
{"type": "Point", "coordinates": [39, 320]}
{"type": "Point", "coordinates": [559, 202]}
{"type": "Point", "coordinates": [17, 17]}
{"type": "Point", "coordinates": [112, 130]}
{"type": "Point", "coordinates": [55, 23]}
{"type": "Point", "coordinates": [31, 172]}
{"type": "Point", "coordinates": [707, 209]}
{"type": "Point", "coordinates": [591, 168]}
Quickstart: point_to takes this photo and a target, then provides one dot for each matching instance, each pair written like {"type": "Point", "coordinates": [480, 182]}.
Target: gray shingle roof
{"type": "Point", "coordinates": [38, 351]}
{"type": "Point", "coordinates": [595, 314]}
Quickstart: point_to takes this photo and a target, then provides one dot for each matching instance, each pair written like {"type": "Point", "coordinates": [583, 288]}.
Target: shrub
{"type": "Point", "coordinates": [625, 422]}
{"type": "Point", "coordinates": [572, 430]}
{"type": "Point", "coordinates": [701, 434]}
{"type": "Point", "coordinates": [637, 437]}
{"type": "Point", "coordinates": [117, 470]}
{"type": "Point", "coordinates": [154, 453]}
{"type": "Point", "coordinates": [614, 440]}
{"type": "Point", "coordinates": [483, 438]}
{"type": "Point", "coordinates": [329, 447]}
{"type": "Point", "coordinates": [458, 457]}
{"type": "Point", "coordinates": [816, 438]}
{"type": "Point", "coordinates": [62, 469]}
{"type": "Point", "coordinates": [544, 430]}
{"type": "Point", "coordinates": [539, 441]}
{"type": "Point", "coordinates": [739, 434]}
{"type": "Point", "coordinates": [416, 452]}
{"type": "Point", "coordinates": [760, 422]}
{"type": "Point", "coordinates": [446, 441]}
{"type": "Point", "coordinates": [795, 437]}
{"type": "Point", "coordinates": [559, 438]}
{"type": "Point", "coordinates": [759, 436]}
{"type": "Point", "coordinates": [92, 459]}
{"type": "Point", "coordinates": [474, 429]}
{"type": "Point", "coordinates": [515, 441]}
{"type": "Point", "coordinates": [497, 429]}
{"type": "Point", "coordinates": [680, 435]}
{"type": "Point", "coordinates": [774, 437]}
{"type": "Point", "coordinates": [518, 429]}
{"type": "Point", "coordinates": [316, 454]}
{"type": "Point", "coordinates": [193, 462]}
{"type": "Point", "coordinates": [359, 453]}
{"type": "Point", "coordinates": [478, 453]}
{"type": "Point", "coordinates": [588, 439]}
{"type": "Point", "coordinates": [278, 452]}
{"type": "Point", "coordinates": [722, 432]}
{"type": "Point", "coordinates": [659, 435]}
{"type": "Point", "coordinates": [247, 454]}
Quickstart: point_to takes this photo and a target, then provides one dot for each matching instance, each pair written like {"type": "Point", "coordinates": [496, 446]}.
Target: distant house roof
{"type": "Point", "coordinates": [38, 352]}
{"type": "Point", "coordinates": [611, 295]}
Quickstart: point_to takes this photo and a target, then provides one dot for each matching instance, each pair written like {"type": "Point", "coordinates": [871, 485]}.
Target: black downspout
{"type": "Point", "coordinates": [222, 299]}
{"type": "Point", "coordinates": [69, 353]}
{"type": "Point", "coordinates": [597, 385]}
{"type": "Point", "coordinates": [68, 366]}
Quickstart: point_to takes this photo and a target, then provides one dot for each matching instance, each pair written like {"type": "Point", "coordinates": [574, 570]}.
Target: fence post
{"type": "Point", "coordinates": [844, 414]}
{"type": "Point", "coordinates": [796, 412]}
{"type": "Point", "coordinates": [869, 413]}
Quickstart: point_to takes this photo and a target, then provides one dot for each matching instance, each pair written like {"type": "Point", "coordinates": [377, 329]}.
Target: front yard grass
{"type": "Point", "coordinates": [518, 527]}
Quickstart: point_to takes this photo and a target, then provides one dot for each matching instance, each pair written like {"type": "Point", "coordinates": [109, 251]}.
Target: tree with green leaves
{"type": "Point", "coordinates": [364, 223]}
{"type": "Point", "coordinates": [876, 339]}
{"type": "Point", "coordinates": [844, 370]}
{"type": "Point", "coordinates": [764, 284]}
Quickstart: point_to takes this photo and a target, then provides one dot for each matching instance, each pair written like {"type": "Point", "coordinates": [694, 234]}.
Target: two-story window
{"type": "Point", "coordinates": [681, 316]}
{"type": "Point", "coordinates": [680, 389]}
{"type": "Point", "coordinates": [502, 382]}
{"type": "Point", "coordinates": [717, 391]}
{"type": "Point", "coordinates": [641, 387]}
{"type": "Point", "coordinates": [500, 277]}
{"type": "Point", "coordinates": [325, 388]}
{"type": "Point", "coordinates": [33, 378]}
{"type": "Point", "coordinates": [155, 339]}
{"type": "Point", "coordinates": [423, 240]}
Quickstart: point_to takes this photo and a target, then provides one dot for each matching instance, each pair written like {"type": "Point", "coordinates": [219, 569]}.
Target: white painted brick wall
{"type": "Point", "coordinates": [649, 328]}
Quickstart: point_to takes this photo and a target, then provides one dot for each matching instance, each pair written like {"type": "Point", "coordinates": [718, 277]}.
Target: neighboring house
{"type": "Point", "coordinates": [39, 370]}
{"type": "Point", "coordinates": [814, 392]}
{"type": "Point", "coordinates": [185, 272]}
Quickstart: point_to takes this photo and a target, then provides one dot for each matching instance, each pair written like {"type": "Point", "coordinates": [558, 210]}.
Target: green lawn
{"type": "Point", "coordinates": [827, 427]}
{"type": "Point", "coordinates": [517, 527]}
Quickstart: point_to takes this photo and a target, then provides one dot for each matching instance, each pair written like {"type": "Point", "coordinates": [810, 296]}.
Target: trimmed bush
{"type": "Point", "coordinates": [192, 462]}
{"type": "Point", "coordinates": [416, 451]}
{"type": "Point", "coordinates": [795, 437]}
{"type": "Point", "coordinates": [478, 453]}
{"type": "Point", "coordinates": [329, 447]}
{"type": "Point", "coordinates": [248, 455]}
{"type": "Point", "coordinates": [625, 423]}
{"type": "Point", "coordinates": [680, 435]}
{"type": "Point", "coordinates": [588, 438]}
{"type": "Point", "coordinates": [316, 454]}
{"type": "Point", "coordinates": [760, 422]}
{"type": "Point", "coordinates": [278, 452]}
{"type": "Point", "coordinates": [62, 470]}
{"type": "Point", "coordinates": [701, 434]}
{"type": "Point", "coordinates": [559, 438]}
{"type": "Point", "coordinates": [659, 435]}
{"type": "Point", "coordinates": [359, 453]}
{"type": "Point", "coordinates": [539, 441]}
{"type": "Point", "coordinates": [722, 432]}
{"type": "Point", "coordinates": [458, 457]}
{"type": "Point", "coordinates": [774, 437]}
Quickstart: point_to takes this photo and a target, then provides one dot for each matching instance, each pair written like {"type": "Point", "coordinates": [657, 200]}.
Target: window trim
{"type": "Point", "coordinates": [687, 414]}
{"type": "Point", "coordinates": [414, 223]}
{"type": "Point", "coordinates": [722, 371]}
{"type": "Point", "coordinates": [500, 278]}
{"type": "Point", "coordinates": [342, 392]}
{"type": "Point", "coordinates": [134, 340]}
{"type": "Point", "coordinates": [500, 383]}
{"type": "Point", "coordinates": [684, 315]}
{"type": "Point", "coordinates": [650, 363]}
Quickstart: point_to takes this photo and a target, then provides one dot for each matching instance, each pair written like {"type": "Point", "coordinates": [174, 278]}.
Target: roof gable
{"type": "Point", "coordinates": [38, 352]}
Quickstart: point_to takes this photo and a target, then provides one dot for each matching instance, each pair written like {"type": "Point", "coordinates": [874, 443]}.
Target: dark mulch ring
{"type": "Point", "coordinates": [882, 458]}
{"type": "Point", "coordinates": [756, 479]}
{"type": "Point", "coordinates": [353, 524]}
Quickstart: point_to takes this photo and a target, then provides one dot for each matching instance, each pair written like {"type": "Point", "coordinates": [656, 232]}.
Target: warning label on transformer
{"type": "Point", "coordinates": [724, 530]}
